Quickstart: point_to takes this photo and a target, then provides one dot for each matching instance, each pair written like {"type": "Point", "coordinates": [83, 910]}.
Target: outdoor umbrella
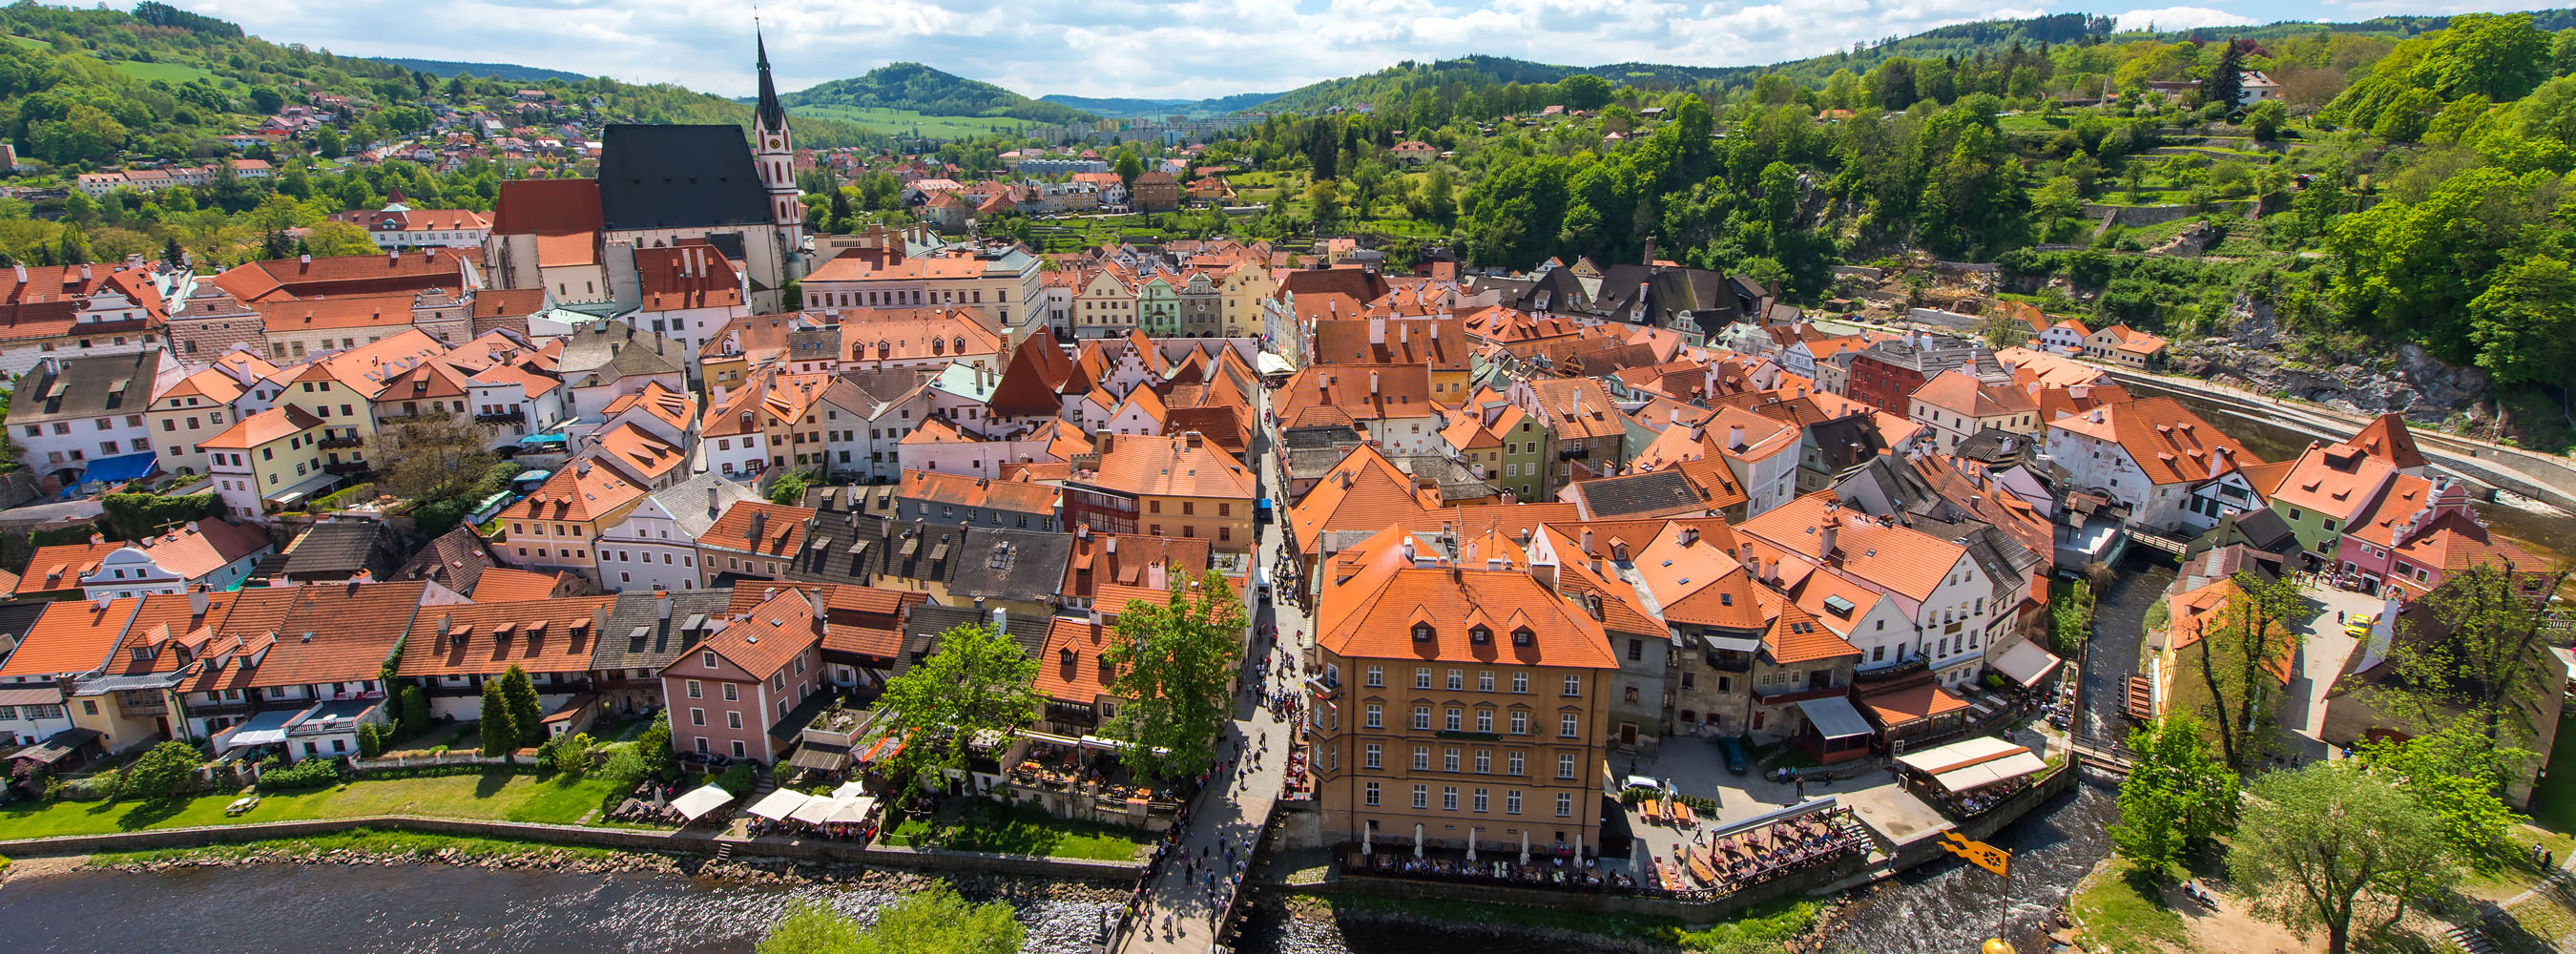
{"type": "Point", "coordinates": [1417, 839]}
{"type": "Point", "coordinates": [1365, 832]}
{"type": "Point", "coordinates": [1525, 846]}
{"type": "Point", "coordinates": [1471, 843]}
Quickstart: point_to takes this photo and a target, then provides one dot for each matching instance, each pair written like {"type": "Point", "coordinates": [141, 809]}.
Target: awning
{"type": "Point", "coordinates": [1834, 718]}
{"type": "Point", "coordinates": [700, 800]}
{"type": "Point", "coordinates": [303, 488]}
{"type": "Point", "coordinates": [781, 804]}
{"type": "Point", "coordinates": [266, 728]}
{"type": "Point", "coordinates": [1267, 363]}
{"type": "Point", "coordinates": [1974, 763]}
{"type": "Point", "coordinates": [127, 467]}
{"type": "Point", "coordinates": [1983, 774]}
{"type": "Point", "coordinates": [44, 695]}
{"type": "Point", "coordinates": [855, 808]}
{"type": "Point", "coordinates": [56, 746]}
{"type": "Point", "coordinates": [1733, 644]}
{"type": "Point", "coordinates": [2026, 663]}
{"type": "Point", "coordinates": [820, 757]}
{"type": "Point", "coordinates": [815, 811]}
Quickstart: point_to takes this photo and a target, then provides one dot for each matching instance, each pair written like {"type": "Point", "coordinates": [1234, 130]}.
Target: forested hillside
{"type": "Point", "coordinates": [917, 88]}
{"type": "Point", "coordinates": [85, 87]}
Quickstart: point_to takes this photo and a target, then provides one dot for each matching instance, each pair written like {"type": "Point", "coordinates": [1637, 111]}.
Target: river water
{"type": "Point", "coordinates": [431, 909]}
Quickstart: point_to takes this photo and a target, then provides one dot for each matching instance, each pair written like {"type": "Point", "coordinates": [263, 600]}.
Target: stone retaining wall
{"type": "Point", "coordinates": [930, 859]}
{"type": "Point", "coordinates": [1689, 912]}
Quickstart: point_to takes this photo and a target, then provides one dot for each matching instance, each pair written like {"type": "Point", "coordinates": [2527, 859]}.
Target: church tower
{"type": "Point", "coordinates": [774, 154]}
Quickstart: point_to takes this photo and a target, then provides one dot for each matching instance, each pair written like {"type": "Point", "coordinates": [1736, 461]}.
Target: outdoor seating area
{"type": "Point", "coordinates": [1968, 778]}
{"type": "Point", "coordinates": [650, 803]}
{"type": "Point", "coordinates": [1545, 866]}
{"type": "Point", "coordinates": [848, 814]}
{"type": "Point", "coordinates": [1725, 861]}
{"type": "Point", "coordinates": [1087, 765]}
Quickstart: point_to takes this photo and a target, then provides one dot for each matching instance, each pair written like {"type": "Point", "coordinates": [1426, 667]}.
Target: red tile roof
{"type": "Point", "coordinates": [487, 638]}
{"type": "Point", "coordinates": [57, 568]}
{"type": "Point", "coordinates": [1374, 599]}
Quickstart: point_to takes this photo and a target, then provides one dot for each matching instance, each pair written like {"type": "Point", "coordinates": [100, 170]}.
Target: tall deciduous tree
{"type": "Point", "coordinates": [164, 773]}
{"type": "Point", "coordinates": [2328, 844]}
{"type": "Point", "coordinates": [500, 735]}
{"type": "Point", "coordinates": [2489, 662]}
{"type": "Point", "coordinates": [2455, 774]}
{"type": "Point", "coordinates": [2177, 797]}
{"type": "Point", "coordinates": [429, 455]}
{"type": "Point", "coordinates": [933, 921]}
{"type": "Point", "coordinates": [521, 697]}
{"type": "Point", "coordinates": [977, 682]}
{"type": "Point", "coordinates": [1173, 662]}
{"type": "Point", "coordinates": [2253, 633]}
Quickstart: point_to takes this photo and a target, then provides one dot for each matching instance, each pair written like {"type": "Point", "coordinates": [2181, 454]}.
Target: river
{"type": "Point", "coordinates": [430, 909]}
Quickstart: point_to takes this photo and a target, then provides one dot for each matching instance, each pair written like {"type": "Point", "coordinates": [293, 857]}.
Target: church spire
{"type": "Point", "coordinates": [770, 114]}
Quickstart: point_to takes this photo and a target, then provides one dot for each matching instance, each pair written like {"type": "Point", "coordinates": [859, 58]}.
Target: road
{"type": "Point", "coordinates": [1235, 804]}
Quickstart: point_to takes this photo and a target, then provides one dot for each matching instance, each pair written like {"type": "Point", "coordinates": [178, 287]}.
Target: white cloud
{"type": "Point", "coordinates": [2181, 18]}
{"type": "Point", "coordinates": [1141, 48]}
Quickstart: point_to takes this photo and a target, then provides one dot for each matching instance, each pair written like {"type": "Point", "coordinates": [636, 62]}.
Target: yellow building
{"type": "Point", "coordinates": [1468, 705]}
{"type": "Point", "coordinates": [556, 527]}
{"type": "Point", "coordinates": [267, 461]}
{"type": "Point", "coordinates": [1245, 286]}
{"type": "Point", "coordinates": [1177, 486]}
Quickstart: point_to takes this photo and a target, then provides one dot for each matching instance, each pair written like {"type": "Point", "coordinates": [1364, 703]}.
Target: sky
{"type": "Point", "coordinates": [1181, 49]}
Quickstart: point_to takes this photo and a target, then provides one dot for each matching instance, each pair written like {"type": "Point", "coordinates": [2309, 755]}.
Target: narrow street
{"type": "Point", "coordinates": [1198, 884]}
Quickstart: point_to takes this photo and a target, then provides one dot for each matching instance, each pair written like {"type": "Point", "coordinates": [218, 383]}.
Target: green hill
{"type": "Point", "coordinates": [508, 71]}
{"type": "Point", "coordinates": [1194, 108]}
{"type": "Point", "coordinates": [914, 88]}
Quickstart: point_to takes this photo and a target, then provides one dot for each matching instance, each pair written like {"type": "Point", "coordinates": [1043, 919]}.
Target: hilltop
{"type": "Point", "coordinates": [1193, 108]}
{"type": "Point", "coordinates": [912, 87]}
{"type": "Point", "coordinates": [507, 71]}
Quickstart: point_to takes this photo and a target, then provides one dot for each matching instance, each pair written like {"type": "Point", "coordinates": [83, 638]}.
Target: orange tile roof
{"type": "Point", "coordinates": [1070, 668]}
{"type": "Point", "coordinates": [505, 585]}
{"type": "Point", "coordinates": [59, 567]}
{"type": "Point", "coordinates": [2405, 495]}
{"type": "Point", "coordinates": [2169, 443]}
{"type": "Point", "coordinates": [1170, 467]}
{"type": "Point", "coordinates": [1902, 559]}
{"type": "Point", "coordinates": [2334, 479]}
{"type": "Point", "coordinates": [1795, 636]}
{"type": "Point", "coordinates": [577, 492]}
{"type": "Point", "coordinates": [487, 638]}
{"type": "Point", "coordinates": [643, 453]}
{"type": "Point", "coordinates": [2454, 541]}
{"type": "Point", "coordinates": [274, 424]}
{"type": "Point", "coordinates": [203, 546]}
{"type": "Point", "coordinates": [687, 276]}
{"type": "Point", "coordinates": [780, 529]}
{"type": "Point", "coordinates": [669, 406]}
{"type": "Point", "coordinates": [964, 491]}
{"type": "Point", "coordinates": [1373, 598]}
{"type": "Point", "coordinates": [73, 636]}
{"type": "Point", "coordinates": [352, 628]}
{"type": "Point", "coordinates": [287, 316]}
{"type": "Point", "coordinates": [1962, 393]}
{"type": "Point", "coordinates": [1920, 701]}
{"type": "Point", "coordinates": [774, 632]}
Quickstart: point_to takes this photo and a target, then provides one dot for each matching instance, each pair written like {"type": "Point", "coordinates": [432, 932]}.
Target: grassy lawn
{"type": "Point", "coordinates": [2122, 912]}
{"type": "Point", "coordinates": [168, 72]}
{"type": "Point", "coordinates": [906, 121]}
{"type": "Point", "coordinates": [508, 796]}
{"type": "Point", "coordinates": [1019, 830]}
{"type": "Point", "coordinates": [2517, 872]}
{"type": "Point", "coordinates": [362, 839]}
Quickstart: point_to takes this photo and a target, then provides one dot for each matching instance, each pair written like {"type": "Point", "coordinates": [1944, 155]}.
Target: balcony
{"type": "Point", "coordinates": [339, 441]}
{"type": "Point", "coordinates": [345, 467]}
{"type": "Point", "coordinates": [511, 416]}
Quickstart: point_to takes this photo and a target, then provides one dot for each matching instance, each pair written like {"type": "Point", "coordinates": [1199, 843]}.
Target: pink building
{"type": "Point", "coordinates": [2418, 533]}
{"type": "Point", "coordinates": [732, 695]}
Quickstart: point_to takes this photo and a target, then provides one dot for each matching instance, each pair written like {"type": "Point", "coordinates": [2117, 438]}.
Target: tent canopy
{"type": "Point", "coordinates": [1983, 774]}
{"type": "Point", "coordinates": [780, 804]}
{"type": "Point", "coordinates": [1974, 763]}
{"type": "Point", "coordinates": [852, 809]}
{"type": "Point", "coordinates": [2025, 663]}
{"type": "Point", "coordinates": [126, 467]}
{"type": "Point", "coordinates": [700, 800]}
{"type": "Point", "coordinates": [815, 810]}
{"type": "Point", "coordinates": [1834, 717]}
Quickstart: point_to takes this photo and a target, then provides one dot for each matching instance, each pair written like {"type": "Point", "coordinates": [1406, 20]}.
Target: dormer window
{"type": "Point", "coordinates": [1522, 636]}
{"type": "Point", "coordinates": [1422, 632]}
{"type": "Point", "coordinates": [1480, 635]}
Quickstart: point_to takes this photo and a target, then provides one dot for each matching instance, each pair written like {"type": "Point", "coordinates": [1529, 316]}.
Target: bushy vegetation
{"type": "Point", "coordinates": [310, 773]}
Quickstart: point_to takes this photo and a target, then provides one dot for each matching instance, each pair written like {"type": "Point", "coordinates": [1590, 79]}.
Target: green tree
{"type": "Point", "coordinates": [423, 456]}
{"type": "Point", "coordinates": [2456, 775]}
{"type": "Point", "coordinates": [977, 682]}
{"type": "Point", "coordinates": [2252, 634]}
{"type": "Point", "coordinates": [2492, 660]}
{"type": "Point", "coordinates": [339, 238]}
{"type": "Point", "coordinates": [327, 143]}
{"type": "Point", "coordinates": [521, 696]}
{"type": "Point", "coordinates": [788, 490]}
{"type": "Point", "coordinates": [371, 740]}
{"type": "Point", "coordinates": [162, 774]}
{"type": "Point", "coordinates": [415, 710]}
{"type": "Point", "coordinates": [653, 745]}
{"type": "Point", "coordinates": [1171, 665]}
{"type": "Point", "coordinates": [931, 921]}
{"type": "Point", "coordinates": [2326, 844]}
{"type": "Point", "coordinates": [266, 101]}
{"type": "Point", "coordinates": [500, 735]}
{"type": "Point", "coordinates": [2499, 57]}
{"type": "Point", "coordinates": [2177, 797]}
{"type": "Point", "coordinates": [1324, 197]}
{"type": "Point", "coordinates": [2524, 323]}
{"type": "Point", "coordinates": [1584, 91]}
{"type": "Point", "coordinates": [2266, 119]}
{"type": "Point", "coordinates": [1128, 167]}
{"type": "Point", "coordinates": [2225, 80]}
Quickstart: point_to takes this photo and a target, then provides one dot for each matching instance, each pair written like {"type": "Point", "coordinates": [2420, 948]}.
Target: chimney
{"type": "Point", "coordinates": [1825, 534]}
{"type": "Point", "coordinates": [598, 620]}
{"type": "Point", "coordinates": [822, 606]}
{"type": "Point", "coordinates": [1650, 251]}
{"type": "Point", "coordinates": [713, 504]}
{"type": "Point", "coordinates": [197, 600]}
{"type": "Point", "coordinates": [1372, 384]}
{"type": "Point", "coordinates": [1735, 437]}
{"type": "Point", "coordinates": [1377, 329]}
{"type": "Point", "coordinates": [85, 273]}
{"type": "Point", "coordinates": [1587, 540]}
{"type": "Point", "coordinates": [1001, 620]}
{"type": "Point", "coordinates": [662, 603]}
{"type": "Point", "coordinates": [304, 259]}
{"type": "Point", "coordinates": [1404, 334]}
{"type": "Point", "coordinates": [581, 468]}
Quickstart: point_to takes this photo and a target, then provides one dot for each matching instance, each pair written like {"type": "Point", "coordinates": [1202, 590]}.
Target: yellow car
{"type": "Point", "coordinates": [2359, 626]}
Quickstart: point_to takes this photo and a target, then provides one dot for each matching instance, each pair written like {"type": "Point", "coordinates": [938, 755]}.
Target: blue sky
{"type": "Point", "coordinates": [1157, 49]}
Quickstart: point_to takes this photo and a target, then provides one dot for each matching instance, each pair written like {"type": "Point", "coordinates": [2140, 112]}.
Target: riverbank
{"type": "Point", "coordinates": [369, 847]}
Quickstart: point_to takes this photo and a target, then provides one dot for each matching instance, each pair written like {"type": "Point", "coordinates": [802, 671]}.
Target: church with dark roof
{"type": "Point", "coordinates": [660, 186]}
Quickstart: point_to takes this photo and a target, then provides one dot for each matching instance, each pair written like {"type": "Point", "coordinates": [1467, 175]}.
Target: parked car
{"type": "Point", "coordinates": [1734, 751]}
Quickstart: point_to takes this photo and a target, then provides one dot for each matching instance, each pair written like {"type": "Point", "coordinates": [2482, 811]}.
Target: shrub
{"type": "Point", "coordinates": [163, 774]}
{"type": "Point", "coordinates": [625, 767]}
{"type": "Point", "coordinates": [654, 747]}
{"type": "Point", "coordinates": [371, 740]}
{"type": "Point", "coordinates": [566, 756]}
{"type": "Point", "coordinates": [310, 773]}
{"type": "Point", "coordinates": [739, 779]}
{"type": "Point", "coordinates": [414, 711]}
